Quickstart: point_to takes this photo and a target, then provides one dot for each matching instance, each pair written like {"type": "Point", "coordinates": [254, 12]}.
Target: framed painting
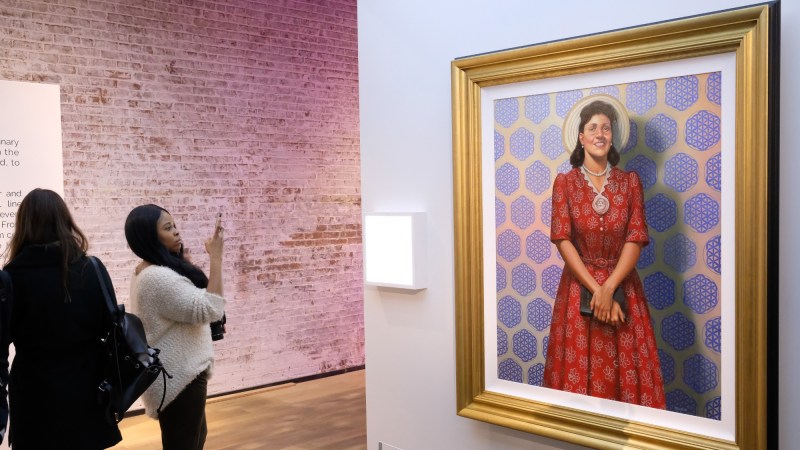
{"type": "Point", "coordinates": [693, 123]}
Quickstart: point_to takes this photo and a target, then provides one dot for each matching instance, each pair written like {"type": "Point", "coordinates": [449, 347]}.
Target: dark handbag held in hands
{"type": "Point", "coordinates": [586, 300]}
{"type": "Point", "coordinates": [132, 364]}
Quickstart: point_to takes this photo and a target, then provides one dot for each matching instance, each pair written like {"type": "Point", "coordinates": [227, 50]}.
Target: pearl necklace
{"type": "Point", "coordinates": [597, 174]}
{"type": "Point", "coordinates": [600, 203]}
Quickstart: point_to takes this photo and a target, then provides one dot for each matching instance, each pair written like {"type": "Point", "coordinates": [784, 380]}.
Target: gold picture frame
{"type": "Point", "coordinates": [749, 36]}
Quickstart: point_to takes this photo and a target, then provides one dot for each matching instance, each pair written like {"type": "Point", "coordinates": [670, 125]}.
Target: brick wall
{"type": "Point", "coordinates": [244, 107]}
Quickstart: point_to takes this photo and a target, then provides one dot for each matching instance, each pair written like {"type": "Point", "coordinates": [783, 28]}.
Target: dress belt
{"type": "Point", "coordinates": [599, 262]}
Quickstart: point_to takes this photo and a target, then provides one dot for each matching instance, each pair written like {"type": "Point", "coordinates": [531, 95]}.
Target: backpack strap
{"type": "Point", "coordinates": [108, 294]}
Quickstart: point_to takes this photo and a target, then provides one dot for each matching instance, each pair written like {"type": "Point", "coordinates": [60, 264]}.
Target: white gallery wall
{"type": "Point", "coordinates": [405, 50]}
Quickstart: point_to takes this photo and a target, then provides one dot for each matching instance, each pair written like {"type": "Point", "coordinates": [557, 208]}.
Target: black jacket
{"type": "Point", "coordinates": [59, 360]}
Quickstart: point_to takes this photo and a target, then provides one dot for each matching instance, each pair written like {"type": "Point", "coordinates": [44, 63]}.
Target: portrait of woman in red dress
{"type": "Point", "coordinates": [599, 228]}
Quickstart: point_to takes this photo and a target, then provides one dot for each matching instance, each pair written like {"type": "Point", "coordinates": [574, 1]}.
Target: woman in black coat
{"type": "Point", "coordinates": [57, 321]}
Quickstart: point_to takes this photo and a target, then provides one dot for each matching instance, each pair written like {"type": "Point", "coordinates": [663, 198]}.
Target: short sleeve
{"type": "Point", "coordinates": [561, 222]}
{"type": "Point", "coordinates": [637, 224]}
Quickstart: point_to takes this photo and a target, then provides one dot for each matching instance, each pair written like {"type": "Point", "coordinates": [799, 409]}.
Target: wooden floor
{"type": "Point", "coordinates": [326, 413]}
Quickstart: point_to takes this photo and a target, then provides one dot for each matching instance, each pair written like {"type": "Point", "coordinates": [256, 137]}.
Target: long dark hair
{"type": "Point", "coordinates": [141, 232]}
{"type": "Point", "coordinates": [43, 218]}
{"type": "Point", "coordinates": [589, 111]}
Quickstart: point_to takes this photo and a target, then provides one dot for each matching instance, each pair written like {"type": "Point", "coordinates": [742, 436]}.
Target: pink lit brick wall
{"type": "Point", "coordinates": [244, 107]}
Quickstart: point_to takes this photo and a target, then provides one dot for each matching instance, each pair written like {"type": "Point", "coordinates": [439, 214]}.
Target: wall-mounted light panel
{"type": "Point", "coordinates": [394, 250]}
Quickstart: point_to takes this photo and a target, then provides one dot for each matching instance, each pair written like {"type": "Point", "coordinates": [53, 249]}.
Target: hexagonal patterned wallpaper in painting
{"type": "Point", "coordinates": [674, 146]}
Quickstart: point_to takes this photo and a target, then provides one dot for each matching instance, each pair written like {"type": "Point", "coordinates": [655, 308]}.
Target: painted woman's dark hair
{"type": "Point", "coordinates": [43, 218]}
{"type": "Point", "coordinates": [589, 111]}
{"type": "Point", "coordinates": [141, 232]}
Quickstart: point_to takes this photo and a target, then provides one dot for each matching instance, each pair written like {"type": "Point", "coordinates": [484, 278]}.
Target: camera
{"type": "Point", "coordinates": [218, 329]}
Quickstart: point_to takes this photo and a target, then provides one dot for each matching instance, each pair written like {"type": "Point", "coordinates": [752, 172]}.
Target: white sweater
{"type": "Point", "coordinates": [175, 314]}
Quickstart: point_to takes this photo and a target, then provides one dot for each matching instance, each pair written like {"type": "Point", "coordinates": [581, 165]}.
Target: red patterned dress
{"type": "Point", "coordinates": [584, 355]}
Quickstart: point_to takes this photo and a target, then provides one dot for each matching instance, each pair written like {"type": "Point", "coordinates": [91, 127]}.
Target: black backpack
{"type": "Point", "coordinates": [132, 364]}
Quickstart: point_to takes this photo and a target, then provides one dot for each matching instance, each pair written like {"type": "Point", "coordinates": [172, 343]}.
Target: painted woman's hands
{"type": "Point", "coordinates": [604, 307]}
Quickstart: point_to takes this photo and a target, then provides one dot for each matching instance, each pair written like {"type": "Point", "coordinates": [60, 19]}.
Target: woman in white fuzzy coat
{"type": "Point", "coordinates": [176, 302]}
